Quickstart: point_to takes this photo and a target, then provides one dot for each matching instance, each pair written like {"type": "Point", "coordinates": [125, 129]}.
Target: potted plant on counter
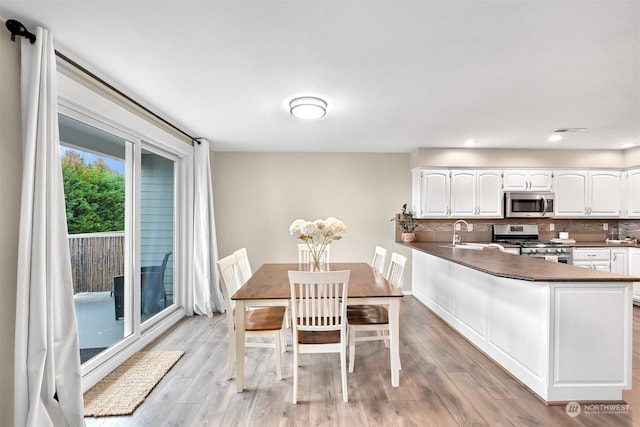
{"type": "Point", "coordinates": [407, 224]}
{"type": "Point", "coordinates": [563, 231]}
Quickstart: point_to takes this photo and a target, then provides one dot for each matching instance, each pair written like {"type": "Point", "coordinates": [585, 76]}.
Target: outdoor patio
{"type": "Point", "coordinates": [97, 325]}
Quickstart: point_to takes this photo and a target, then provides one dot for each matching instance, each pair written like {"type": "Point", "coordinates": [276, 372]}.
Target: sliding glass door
{"type": "Point", "coordinates": [120, 195]}
{"type": "Point", "coordinates": [157, 219]}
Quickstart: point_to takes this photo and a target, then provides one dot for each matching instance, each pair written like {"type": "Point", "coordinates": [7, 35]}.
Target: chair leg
{"type": "Point", "coordinates": [384, 334]}
{"type": "Point", "coordinates": [283, 332]}
{"type": "Point", "coordinates": [343, 372]}
{"type": "Point", "coordinates": [276, 338]}
{"type": "Point", "coordinates": [295, 377]}
{"type": "Point", "coordinates": [232, 354]}
{"type": "Point", "coordinates": [352, 348]}
{"type": "Point", "coordinates": [287, 315]}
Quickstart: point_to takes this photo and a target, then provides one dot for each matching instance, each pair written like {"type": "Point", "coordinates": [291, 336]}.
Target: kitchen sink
{"type": "Point", "coordinates": [473, 246]}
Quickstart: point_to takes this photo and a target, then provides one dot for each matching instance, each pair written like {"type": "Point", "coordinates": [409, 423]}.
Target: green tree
{"type": "Point", "coordinates": [94, 195]}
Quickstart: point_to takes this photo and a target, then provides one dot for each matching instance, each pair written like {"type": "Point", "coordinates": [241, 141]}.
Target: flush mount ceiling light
{"type": "Point", "coordinates": [554, 138]}
{"type": "Point", "coordinates": [470, 143]}
{"type": "Point", "coordinates": [307, 107]}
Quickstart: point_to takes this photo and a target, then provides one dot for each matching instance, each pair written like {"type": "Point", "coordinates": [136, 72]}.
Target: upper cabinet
{"type": "Point", "coordinates": [632, 194]}
{"type": "Point", "coordinates": [527, 180]}
{"type": "Point", "coordinates": [476, 193]}
{"type": "Point", "coordinates": [587, 193]}
{"type": "Point", "coordinates": [457, 193]}
{"type": "Point", "coordinates": [431, 193]}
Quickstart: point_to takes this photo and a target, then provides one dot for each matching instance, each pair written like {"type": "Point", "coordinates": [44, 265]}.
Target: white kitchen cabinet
{"type": "Point", "coordinates": [587, 193]}
{"type": "Point", "coordinates": [476, 193]}
{"type": "Point", "coordinates": [431, 193]}
{"type": "Point", "coordinates": [594, 258]}
{"type": "Point", "coordinates": [527, 180]}
{"type": "Point", "coordinates": [632, 193]}
{"type": "Point", "coordinates": [564, 340]}
{"type": "Point", "coordinates": [634, 270]}
{"type": "Point", "coordinates": [619, 260]}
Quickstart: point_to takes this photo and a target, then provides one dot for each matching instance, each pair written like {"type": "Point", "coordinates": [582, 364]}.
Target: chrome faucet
{"type": "Point", "coordinates": [455, 224]}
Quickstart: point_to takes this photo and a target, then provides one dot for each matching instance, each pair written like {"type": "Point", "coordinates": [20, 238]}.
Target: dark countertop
{"type": "Point", "coordinates": [517, 267]}
{"type": "Point", "coordinates": [601, 244]}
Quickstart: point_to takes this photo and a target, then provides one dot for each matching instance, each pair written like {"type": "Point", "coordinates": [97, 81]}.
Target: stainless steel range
{"type": "Point", "coordinates": [527, 236]}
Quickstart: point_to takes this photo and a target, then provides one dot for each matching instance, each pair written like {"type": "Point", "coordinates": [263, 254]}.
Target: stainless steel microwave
{"type": "Point", "coordinates": [529, 204]}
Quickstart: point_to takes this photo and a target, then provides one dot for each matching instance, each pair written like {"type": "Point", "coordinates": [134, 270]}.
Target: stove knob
{"type": "Point", "coordinates": [550, 250]}
{"type": "Point", "coordinates": [534, 250]}
{"type": "Point", "coordinates": [561, 250]}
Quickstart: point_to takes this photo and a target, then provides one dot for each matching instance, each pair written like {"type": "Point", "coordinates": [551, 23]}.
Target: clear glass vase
{"type": "Point", "coordinates": [315, 261]}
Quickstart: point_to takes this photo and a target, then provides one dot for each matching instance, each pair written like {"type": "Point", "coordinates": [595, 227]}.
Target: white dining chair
{"type": "Point", "coordinates": [318, 305]}
{"type": "Point", "coordinates": [259, 322]}
{"type": "Point", "coordinates": [373, 318]}
{"type": "Point", "coordinates": [379, 257]}
{"type": "Point", "coordinates": [244, 265]}
{"type": "Point", "coordinates": [304, 254]}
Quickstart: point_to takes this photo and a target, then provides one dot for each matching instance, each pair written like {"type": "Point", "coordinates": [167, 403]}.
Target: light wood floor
{"type": "Point", "coordinates": [445, 381]}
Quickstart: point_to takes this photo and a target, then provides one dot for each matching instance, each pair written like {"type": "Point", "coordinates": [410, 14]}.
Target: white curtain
{"type": "Point", "coordinates": [47, 385]}
{"type": "Point", "coordinates": [207, 297]}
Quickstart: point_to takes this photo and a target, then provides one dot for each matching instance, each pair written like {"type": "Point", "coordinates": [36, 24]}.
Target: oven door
{"type": "Point", "coordinates": [529, 205]}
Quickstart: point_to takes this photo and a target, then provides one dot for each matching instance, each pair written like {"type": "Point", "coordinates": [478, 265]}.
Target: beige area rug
{"type": "Point", "coordinates": [124, 389]}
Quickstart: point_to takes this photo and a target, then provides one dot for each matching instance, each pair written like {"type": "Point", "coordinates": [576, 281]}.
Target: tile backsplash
{"type": "Point", "coordinates": [441, 230]}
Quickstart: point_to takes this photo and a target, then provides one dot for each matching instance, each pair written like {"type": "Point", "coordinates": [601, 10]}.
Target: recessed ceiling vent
{"type": "Point", "coordinates": [562, 130]}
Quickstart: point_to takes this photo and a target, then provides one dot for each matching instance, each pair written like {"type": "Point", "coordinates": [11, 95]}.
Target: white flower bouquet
{"type": "Point", "coordinates": [317, 234]}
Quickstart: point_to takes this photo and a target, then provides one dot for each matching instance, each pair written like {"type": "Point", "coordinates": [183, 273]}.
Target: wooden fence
{"type": "Point", "coordinates": [96, 259]}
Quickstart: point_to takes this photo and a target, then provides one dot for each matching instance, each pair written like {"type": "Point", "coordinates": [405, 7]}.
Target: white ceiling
{"type": "Point", "coordinates": [397, 75]}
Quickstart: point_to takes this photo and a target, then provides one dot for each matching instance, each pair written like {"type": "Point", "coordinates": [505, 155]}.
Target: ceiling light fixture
{"type": "Point", "coordinates": [470, 143]}
{"type": "Point", "coordinates": [554, 138]}
{"type": "Point", "coordinates": [308, 107]}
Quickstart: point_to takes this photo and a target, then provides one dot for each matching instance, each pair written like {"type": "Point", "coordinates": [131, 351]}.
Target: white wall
{"type": "Point", "coordinates": [632, 157]}
{"type": "Point", "coordinates": [258, 195]}
{"type": "Point", "coordinates": [485, 157]}
{"type": "Point", "coordinates": [10, 177]}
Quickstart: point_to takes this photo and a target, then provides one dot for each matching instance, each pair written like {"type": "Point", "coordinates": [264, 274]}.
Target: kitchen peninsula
{"type": "Point", "coordinates": [563, 331]}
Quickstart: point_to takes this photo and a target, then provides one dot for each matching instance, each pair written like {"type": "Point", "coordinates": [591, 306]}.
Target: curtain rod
{"type": "Point", "coordinates": [17, 29]}
{"type": "Point", "coordinates": [122, 94]}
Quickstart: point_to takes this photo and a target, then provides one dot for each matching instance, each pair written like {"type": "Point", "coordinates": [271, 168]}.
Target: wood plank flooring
{"type": "Point", "coordinates": [445, 381]}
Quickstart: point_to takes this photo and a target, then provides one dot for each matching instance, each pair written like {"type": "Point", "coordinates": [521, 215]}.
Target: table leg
{"type": "Point", "coordinates": [240, 340]}
{"type": "Point", "coordinates": [394, 340]}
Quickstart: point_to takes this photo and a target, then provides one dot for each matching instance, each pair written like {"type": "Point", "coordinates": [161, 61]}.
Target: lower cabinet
{"type": "Point", "coordinates": [543, 333]}
{"type": "Point", "coordinates": [594, 258]}
{"type": "Point", "coordinates": [620, 261]}
{"type": "Point", "coordinates": [634, 270]}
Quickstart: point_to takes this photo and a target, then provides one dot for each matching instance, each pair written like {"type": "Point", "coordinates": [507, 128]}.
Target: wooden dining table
{"type": "Point", "coordinates": [269, 286]}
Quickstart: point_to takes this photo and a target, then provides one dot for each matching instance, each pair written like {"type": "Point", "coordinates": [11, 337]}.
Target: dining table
{"type": "Point", "coordinates": [269, 286]}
